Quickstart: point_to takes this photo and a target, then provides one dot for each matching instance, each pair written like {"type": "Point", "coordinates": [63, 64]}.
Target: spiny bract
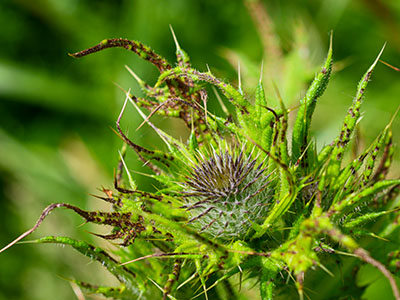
{"type": "Point", "coordinates": [236, 198]}
{"type": "Point", "coordinates": [227, 191]}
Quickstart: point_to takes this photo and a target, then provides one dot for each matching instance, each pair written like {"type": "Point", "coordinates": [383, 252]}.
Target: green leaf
{"type": "Point", "coordinates": [307, 107]}
{"type": "Point", "coordinates": [358, 197]}
{"type": "Point", "coordinates": [350, 122]}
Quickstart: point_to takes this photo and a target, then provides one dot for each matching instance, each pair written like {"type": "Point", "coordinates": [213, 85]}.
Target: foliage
{"type": "Point", "coordinates": [237, 198]}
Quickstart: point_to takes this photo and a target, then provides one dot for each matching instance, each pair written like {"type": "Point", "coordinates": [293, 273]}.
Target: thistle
{"type": "Point", "coordinates": [236, 197]}
{"type": "Point", "coordinates": [226, 192]}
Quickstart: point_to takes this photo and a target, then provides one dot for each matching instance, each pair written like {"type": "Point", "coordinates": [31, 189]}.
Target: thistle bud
{"type": "Point", "coordinates": [227, 191]}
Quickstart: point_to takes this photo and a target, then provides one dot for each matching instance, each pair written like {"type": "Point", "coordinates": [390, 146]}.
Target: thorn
{"type": "Point", "coordinates": [146, 120]}
{"type": "Point", "coordinates": [174, 37]}
{"type": "Point", "coordinates": [107, 191]}
{"type": "Point", "coordinates": [224, 109]}
{"type": "Point", "coordinates": [300, 280]}
{"type": "Point", "coordinates": [393, 118]}
{"type": "Point", "coordinates": [120, 87]}
{"type": "Point", "coordinates": [156, 284]}
{"type": "Point", "coordinates": [130, 179]}
{"type": "Point", "coordinates": [17, 240]}
{"type": "Point", "coordinates": [108, 199]}
{"type": "Point", "coordinates": [77, 290]}
{"type": "Point", "coordinates": [240, 277]}
{"type": "Point", "coordinates": [192, 121]}
{"type": "Point", "coordinates": [379, 55]}
{"type": "Point", "coordinates": [278, 94]}
{"type": "Point", "coordinates": [123, 107]}
{"type": "Point", "coordinates": [203, 97]}
{"type": "Point", "coordinates": [143, 174]}
{"type": "Point", "coordinates": [140, 81]}
{"type": "Point", "coordinates": [186, 281]}
{"type": "Point", "coordinates": [261, 71]}
{"type": "Point", "coordinates": [208, 68]}
{"type": "Point", "coordinates": [390, 66]}
{"type": "Point", "coordinates": [117, 133]}
{"type": "Point", "coordinates": [158, 131]}
{"type": "Point", "coordinates": [239, 78]}
{"type": "Point", "coordinates": [327, 271]}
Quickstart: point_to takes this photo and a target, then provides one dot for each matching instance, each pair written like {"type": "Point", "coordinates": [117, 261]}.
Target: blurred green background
{"type": "Point", "coordinates": [56, 112]}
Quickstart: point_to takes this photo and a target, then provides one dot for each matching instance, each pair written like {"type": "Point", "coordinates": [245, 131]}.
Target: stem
{"type": "Point", "coordinates": [364, 255]}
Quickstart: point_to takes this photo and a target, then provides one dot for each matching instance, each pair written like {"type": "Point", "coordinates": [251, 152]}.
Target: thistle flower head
{"type": "Point", "coordinates": [227, 191]}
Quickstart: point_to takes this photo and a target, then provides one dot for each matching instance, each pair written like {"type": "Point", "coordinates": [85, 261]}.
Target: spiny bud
{"type": "Point", "coordinates": [227, 191]}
